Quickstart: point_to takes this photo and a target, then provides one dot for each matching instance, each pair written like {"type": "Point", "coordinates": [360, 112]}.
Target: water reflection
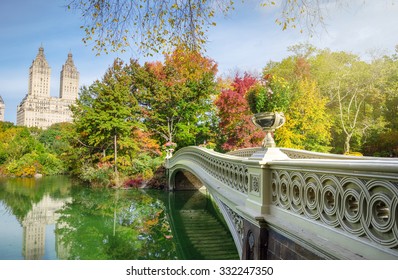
{"type": "Point", "coordinates": [51, 218]}
{"type": "Point", "coordinates": [34, 225]}
{"type": "Point", "coordinates": [199, 229]}
{"type": "Point", "coordinates": [32, 206]}
{"type": "Point", "coordinates": [115, 224]}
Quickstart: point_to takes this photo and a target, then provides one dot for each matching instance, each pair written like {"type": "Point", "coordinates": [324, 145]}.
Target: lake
{"type": "Point", "coordinates": [57, 218]}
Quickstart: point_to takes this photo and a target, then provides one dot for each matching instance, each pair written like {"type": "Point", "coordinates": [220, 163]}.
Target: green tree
{"type": "Point", "coordinates": [103, 114]}
{"type": "Point", "coordinates": [104, 109]}
{"type": "Point", "coordinates": [60, 140]}
{"type": "Point", "coordinates": [354, 91]}
{"type": "Point", "coordinates": [109, 128]}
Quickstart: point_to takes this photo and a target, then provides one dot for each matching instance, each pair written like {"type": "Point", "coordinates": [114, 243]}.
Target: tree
{"type": "Point", "coordinates": [165, 24]}
{"type": "Point", "coordinates": [307, 122]}
{"type": "Point", "coordinates": [390, 90]}
{"type": "Point", "coordinates": [236, 128]}
{"type": "Point", "coordinates": [175, 96]}
{"type": "Point", "coordinates": [105, 108]}
{"type": "Point", "coordinates": [359, 94]}
{"type": "Point", "coordinates": [353, 89]}
{"type": "Point", "coordinates": [21, 154]}
{"type": "Point", "coordinates": [60, 140]}
{"type": "Point", "coordinates": [109, 126]}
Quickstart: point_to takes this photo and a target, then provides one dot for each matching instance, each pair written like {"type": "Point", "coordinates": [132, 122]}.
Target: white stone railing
{"type": "Point", "coordinates": [228, 169]}
{"type": "Point", "coordinates": [302, 154]}
{"type": "Point", "coordinates": [357, 197]}
{"type": "Point", "coordinates": [246, 152]}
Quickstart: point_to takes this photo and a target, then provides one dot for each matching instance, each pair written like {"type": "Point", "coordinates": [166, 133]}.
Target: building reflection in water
{"type": "Point", "coordinates": [34, 227]}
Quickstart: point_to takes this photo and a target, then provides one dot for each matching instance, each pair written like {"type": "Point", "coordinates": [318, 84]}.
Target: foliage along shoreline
{"type": "Point", "coordinates": [126, 123]}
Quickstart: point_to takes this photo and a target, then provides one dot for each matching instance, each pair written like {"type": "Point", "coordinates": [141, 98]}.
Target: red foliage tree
{"type": "Point", "coordinates": [236, 126]}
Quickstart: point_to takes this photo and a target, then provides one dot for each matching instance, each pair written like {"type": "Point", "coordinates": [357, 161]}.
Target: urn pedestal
{"type": "Point", "coordinates": [269, 122]}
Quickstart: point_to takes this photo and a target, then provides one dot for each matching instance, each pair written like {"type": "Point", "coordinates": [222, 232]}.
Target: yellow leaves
{"type": "Point", "coordinates": [307, 123]}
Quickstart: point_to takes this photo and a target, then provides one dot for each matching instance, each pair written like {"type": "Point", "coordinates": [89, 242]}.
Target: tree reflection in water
{"type": "Point", "coordinates": [114, 224]}
{"type": "Point", "coordinates": [100, 224]}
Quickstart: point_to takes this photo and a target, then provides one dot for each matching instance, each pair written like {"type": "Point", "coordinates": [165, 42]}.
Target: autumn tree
{"type": "Point", "coordinates": [307, 122]}
{"type": "Point", "coordinates": [360, 94]}
{"type": "Point", "coordinates": [165, 24]}
{"type": "Point", "coordinates": [22, 154]}
{"type": "Point", "coordinates": [236, 128]}
{"type": "Point", "coordinates": [175, 96]}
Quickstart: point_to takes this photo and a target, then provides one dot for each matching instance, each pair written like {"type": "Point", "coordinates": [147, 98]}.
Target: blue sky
{"type": "Point", "coordinates": [246, 40]}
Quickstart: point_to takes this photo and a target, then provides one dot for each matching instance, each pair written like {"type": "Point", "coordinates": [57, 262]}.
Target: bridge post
{"type": "Point", "coordinates": [258, 203]}
{"type": "Point", "coordinates": [255, 243]}
{"type": "Point", "coordinates": [259, 183]}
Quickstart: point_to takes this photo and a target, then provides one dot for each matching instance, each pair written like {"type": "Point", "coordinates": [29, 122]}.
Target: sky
{"type": "Point", "coordinates": [245, 40]}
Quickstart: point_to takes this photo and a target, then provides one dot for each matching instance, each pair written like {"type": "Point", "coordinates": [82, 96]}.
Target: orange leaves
{"type": "Point", "coordinates": [182, 66]}
{"type": "Point", "coordinates": [190, 65]}
{"type": "Point", "coordinates": [157, 69]}
{"type": "Point", "coordinates": [147, 142]}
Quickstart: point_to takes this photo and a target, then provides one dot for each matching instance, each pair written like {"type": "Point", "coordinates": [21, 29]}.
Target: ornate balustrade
{"type": "Point", "coordinates": [357, 197]}
{"type": "Point", "coordinates": [228, 169]}
{"type": "Point", "coordinates": [338, 206]}
{"type": "Point", "coordinates": [302, 154]}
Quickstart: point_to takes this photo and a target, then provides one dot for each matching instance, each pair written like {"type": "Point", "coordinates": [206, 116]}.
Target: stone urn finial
{"type": "Point", "coordinates": [269, 122]}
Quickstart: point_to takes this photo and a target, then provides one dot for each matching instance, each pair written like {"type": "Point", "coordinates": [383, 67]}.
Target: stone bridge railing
{"type": "Point", "coordinates": [334, 206]}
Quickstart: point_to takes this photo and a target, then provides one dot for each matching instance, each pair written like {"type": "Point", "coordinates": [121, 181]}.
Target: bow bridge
{"type": "Point", "coordinates": [293, 204]}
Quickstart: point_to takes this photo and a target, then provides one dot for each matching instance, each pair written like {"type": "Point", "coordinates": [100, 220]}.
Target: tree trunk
{"type": "Point", "coordinates": [115, 147]}
{"type": "Point", "coordinates": [347, 143]}
{"type": "Point", "coordinates": [117, 183]}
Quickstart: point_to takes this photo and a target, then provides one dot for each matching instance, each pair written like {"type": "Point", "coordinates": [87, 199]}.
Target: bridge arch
{"type": "Point", "coordinates": [191, 174]}
{"type": "Point", "coordinates": [183, 179]}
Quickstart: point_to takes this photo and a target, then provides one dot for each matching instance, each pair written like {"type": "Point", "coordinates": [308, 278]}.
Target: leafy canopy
{"type": "Point", "coordinates": [162, 25]}
{"type": "Point", "coordinates": [235, 124]}
{"type": "Point", "coordinates": [175, 96]}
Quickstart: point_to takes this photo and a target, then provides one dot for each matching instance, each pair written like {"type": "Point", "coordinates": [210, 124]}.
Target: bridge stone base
{"type": "Point", "coordinates": [268, 244]}
{"type": "Point", "coordinates": [281, 248]}
{"type": "Point", "coordinates": [255, 244]}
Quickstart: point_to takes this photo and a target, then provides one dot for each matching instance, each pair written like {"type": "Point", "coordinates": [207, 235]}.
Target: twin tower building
{"type": "Point", "coordinates": [38, 108]}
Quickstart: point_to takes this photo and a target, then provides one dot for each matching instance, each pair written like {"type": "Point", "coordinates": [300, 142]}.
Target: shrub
{"type": "Point", "coordinates": [134, 182]}
{"type": "Point", "coordinates": [99, 176]}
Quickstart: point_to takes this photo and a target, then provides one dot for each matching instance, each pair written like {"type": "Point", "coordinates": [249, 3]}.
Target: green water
{"type": "Point", "coordinates": [53, 218]}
